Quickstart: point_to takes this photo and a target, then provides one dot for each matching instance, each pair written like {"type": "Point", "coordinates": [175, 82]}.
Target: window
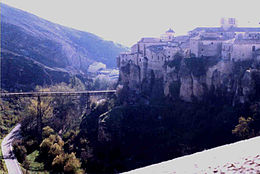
{"type": "Point", "coordinates": [211, 43]}
{"type": "Point", "coordinates": [202, 49]}
{"type": "Point", "coordinates": [253, 48]}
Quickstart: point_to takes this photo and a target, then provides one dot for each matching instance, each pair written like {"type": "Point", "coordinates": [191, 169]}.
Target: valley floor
{"type": "Point", "coordinates": [239, 157]}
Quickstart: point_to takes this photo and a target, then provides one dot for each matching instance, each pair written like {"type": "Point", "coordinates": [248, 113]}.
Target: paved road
{"type": "Point", "coordinates": [239, 157]}
{"type": "Point", "coordinates": [10, 160]}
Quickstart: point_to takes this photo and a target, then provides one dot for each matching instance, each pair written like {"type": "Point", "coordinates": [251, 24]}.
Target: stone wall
{"type": "Point", "coordinates": [243, 51]}
{"type": "Point", "coordinates": [209, 48]}
{"type": "Point", "coordinates": [194, 47]}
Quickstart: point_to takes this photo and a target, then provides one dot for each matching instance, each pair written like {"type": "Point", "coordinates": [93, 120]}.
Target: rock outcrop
{"type": "Point", "coordinates": [193, 79]}
{"type": "Point", "coordinates": [191, 105]}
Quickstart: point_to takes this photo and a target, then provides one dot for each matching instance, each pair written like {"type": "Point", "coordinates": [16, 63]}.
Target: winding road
{"type": "Point", "coordinates": [7, 150]}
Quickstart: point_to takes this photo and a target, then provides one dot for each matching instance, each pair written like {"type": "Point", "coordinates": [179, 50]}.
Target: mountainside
{"type": "Point", "coordinates": [53, 46]}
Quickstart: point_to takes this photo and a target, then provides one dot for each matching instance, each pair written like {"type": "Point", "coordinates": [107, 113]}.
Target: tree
{"type": "Point", "coordinates": [242, 130]}
{"type": "Point", "coordinates": [19, 151]}
{"type": "Point", "coordinates": [47, 131]}
{"type": "Point", "coordinates": [45, 146]}
{"type": "Point", "coordinates": [72, 165]}
{"type": "Point", "coordinates": [50, 148]}
{"type": "Point", "coordinates": [67, 163]}
{"type": "Point", "coordinates": [59, 113]}
{"type": "Point", "coordinates": [58, 163]}
{"type": "Point", "coordinates": [55, 150]}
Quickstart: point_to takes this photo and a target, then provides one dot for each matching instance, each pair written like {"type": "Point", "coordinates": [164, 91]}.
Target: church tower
{"type": "Point", "coordinates": [168, 36]}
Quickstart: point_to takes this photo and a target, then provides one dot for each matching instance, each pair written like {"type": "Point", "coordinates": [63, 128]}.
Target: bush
{"type": "Point", "coordinates": [72, 164]}
{"type": "Point", "coordinates": [55, 150]}
{"type": "Point", "coordinates": [45, 147]}
{"type": "Point", "coordinates": [19, 151]}
{"type": "Point", "coordinates": [67, 163]}
{"type": "Point", "coordinates": [47, 131]}
{"type": "Point", "coordinates": [242, 129]}
{"type": "Point", "coordinates": [58, 163]}
{"type": "Point", "coordinates": [31, 145]}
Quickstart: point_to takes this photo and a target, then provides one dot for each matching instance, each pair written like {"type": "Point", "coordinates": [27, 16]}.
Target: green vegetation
{"type": "Point", "coordinates": [248, 127]}
{"type": "Point", "coordinates": [104, 138]}
{"type": "Point", "coordinates": [108, 137]}
{"type": "Point", "coordinates": [3, 168]}
{"type": "Point", "coordinates": [29, 58]}
{"type": "Point", "coordinates": [61, 116]}
{"type": "Point", "coordinates": [9, 117]}
{"type": "Point", "coordinates": [103, 83]}
{"type": "Point", "coordinates": [9, 111]}
{"type": "Point", "coordinates": [242, 129]}
{"type": "Point", "coordinates": [34, 165]}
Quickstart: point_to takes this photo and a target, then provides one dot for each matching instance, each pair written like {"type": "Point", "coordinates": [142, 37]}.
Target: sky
{"type": "Point", "coordinates": [127, 21]}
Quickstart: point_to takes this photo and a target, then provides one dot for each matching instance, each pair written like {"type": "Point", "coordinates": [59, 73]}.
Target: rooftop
{"type": "Point", "coordinates": [150, 39]}
{"type": "Point", "coordinates": [170, 31]}
{"type": "Point", "coordinates": [156, 48]}
{"type": "Point", "coordinates": [232, 29]}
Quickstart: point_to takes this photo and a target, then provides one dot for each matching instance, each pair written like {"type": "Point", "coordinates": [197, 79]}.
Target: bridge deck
{"type": "Point", "coordinates": [54, 94]}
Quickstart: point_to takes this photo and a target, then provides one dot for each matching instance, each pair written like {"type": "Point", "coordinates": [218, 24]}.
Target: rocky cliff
{"type": "Point", "coordinates": [190, 105]}
{"type": "Point", "coordinates": [194, 79]}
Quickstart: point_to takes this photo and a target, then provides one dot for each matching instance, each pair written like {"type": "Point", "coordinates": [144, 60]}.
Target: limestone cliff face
{"type": "Point", "coordinates": [194, 79]}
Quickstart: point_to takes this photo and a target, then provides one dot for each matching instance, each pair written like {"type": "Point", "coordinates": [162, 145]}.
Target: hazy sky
{"type": "Point", "coordinates": [126, 21]}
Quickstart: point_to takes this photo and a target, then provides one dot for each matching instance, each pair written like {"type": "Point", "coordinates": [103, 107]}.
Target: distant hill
{"type": "Point", "coordinates": [37, 43]}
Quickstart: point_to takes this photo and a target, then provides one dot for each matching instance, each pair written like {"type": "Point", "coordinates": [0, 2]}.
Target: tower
{"type": "Point", "coordinates": [228, 23]}
{"type": "Point", "coordinates": [168, 36]}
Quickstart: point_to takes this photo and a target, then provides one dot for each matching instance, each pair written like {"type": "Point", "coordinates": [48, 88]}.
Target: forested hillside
{"type": "Point", "coordinates": [52, 51]}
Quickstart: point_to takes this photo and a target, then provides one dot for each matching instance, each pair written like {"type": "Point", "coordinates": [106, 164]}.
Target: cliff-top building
{"type": "Point", "coordinates": [154, 64]}
{"type": "Point", "coordinates": [228, 41]}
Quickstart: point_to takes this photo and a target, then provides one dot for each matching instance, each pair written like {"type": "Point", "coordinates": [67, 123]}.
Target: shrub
{"type": "Point", "coordinates": [31, 145]}
{"type": "Point", "coordinates": [19, 151]}
{"type": "Point", "coordinates": [72, 164]}
{"type": "Point", "coordinates": [55, 150]}
{"type": "Point", "coordinates": [67, 163]}
{"type": "Point", "coordinates": [58, 163]}
{"type": "Point", "coordinates": [242, 129]}
{"type": "Point", "coordinates": [47, 131]}
{"type": "Point", "coordinates": [45, 146]}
